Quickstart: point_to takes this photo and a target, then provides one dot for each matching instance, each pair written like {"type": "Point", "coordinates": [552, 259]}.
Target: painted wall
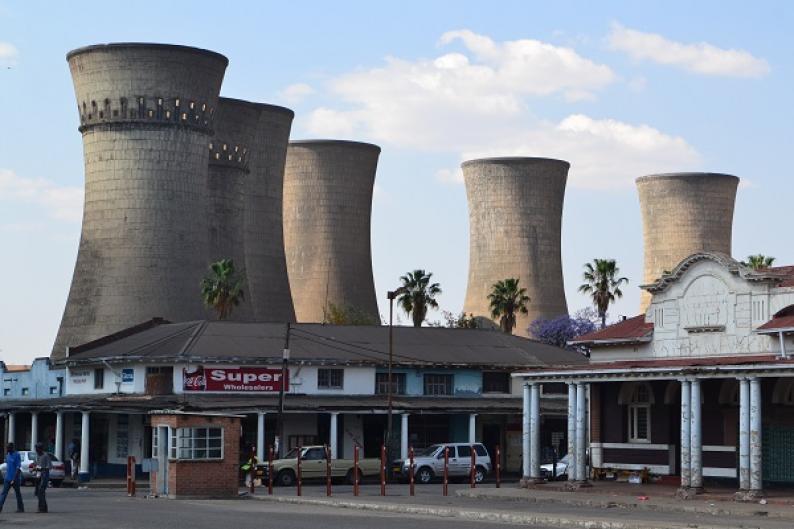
{"type": "Point", "coordinates": [81, 380]}
{"type": "Point", "coordinates": [466, 382]}
{"type": "Point", "coordinates": [40, 382]}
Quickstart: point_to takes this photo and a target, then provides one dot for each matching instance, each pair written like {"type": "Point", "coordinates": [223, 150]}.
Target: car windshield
{"type": "Point", "coordinates": [427, 452]}
{"type": "Point", "coordinates": [292, 454]}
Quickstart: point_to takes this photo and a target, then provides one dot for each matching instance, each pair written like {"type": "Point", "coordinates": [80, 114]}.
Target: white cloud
{"type": "Point", "coordinates": [702, 57]}
{"type": "Point", "coordinates": [450, 176]}
{"type": "Point", "coordinates": [60, 202]}
{"type": "Point", "coordinates": [297, 92]}
{"type": "Point", "coordinates": [8, 54]}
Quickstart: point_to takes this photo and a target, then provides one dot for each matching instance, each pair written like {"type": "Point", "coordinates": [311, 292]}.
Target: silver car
{"type": "Point", "coordinates": [553, 472]}
{"type": "Point", "coordinates": [57, 472]}
{"type": "Point", "coordinates": [429, 462]}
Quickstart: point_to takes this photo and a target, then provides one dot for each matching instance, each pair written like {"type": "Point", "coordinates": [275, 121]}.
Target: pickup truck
{"type": "Point", "coordinates": [314, 466]}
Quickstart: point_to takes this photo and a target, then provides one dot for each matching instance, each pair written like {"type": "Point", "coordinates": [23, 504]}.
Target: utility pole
{"type": "Point", "coordinates": [391, 294]}
{"type": "Point", "coordinates": [284, 382]}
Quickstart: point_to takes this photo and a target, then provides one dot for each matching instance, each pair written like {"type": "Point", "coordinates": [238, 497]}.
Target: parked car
{"type": "Point", "coordinates": [57, 472]}
{"type": "Point", "coordinates": [429, 462]}
{"type": "Point", "coordinates": [314, 466]}
{"type": "Point", "coordinates": [550, 473]}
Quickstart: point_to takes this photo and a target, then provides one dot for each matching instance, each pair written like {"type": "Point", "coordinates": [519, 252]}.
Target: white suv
{"type": "Point", "coordinates": [429, 462]}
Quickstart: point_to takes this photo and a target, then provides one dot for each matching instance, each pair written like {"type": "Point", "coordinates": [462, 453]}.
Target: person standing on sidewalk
{"type": "Point", "coordinates": [43, 466]}
{"type": "Point", "coordinates": [13, 477]}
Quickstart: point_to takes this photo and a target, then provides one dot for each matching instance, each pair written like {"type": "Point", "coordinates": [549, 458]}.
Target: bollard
{"type": "Point", "coordinates": [445, 488]}
{"type": "Point", "coordinates": [270, 470]}
{"type": "Point", "coordinates": [299, 490]}
{"type": "Point", "coordinates": [131, 476]}
{"type": "Point", "coordinates": [327, 470]}
{"type": "Point", "coordinates": [252, 469]}
{"type": "Point", "coordinates": [473, 470]}
{"type": "Point", "coordinates": [355, 470]}
{"type": "Point", "coordinates": [498, 467]}
{"type": "Point", "coordinates": [382, 470]}
{"type": "Point", "coordinates": [411, 469]}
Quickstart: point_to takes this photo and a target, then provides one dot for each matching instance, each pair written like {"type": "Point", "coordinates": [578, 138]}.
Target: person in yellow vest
{"type": "Point", "coordinates": [249, 467]}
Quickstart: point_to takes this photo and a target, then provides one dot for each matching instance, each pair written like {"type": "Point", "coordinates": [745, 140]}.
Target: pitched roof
{"type": "Point", "coordinates": [778, 324]}
{"type": "Point", "coordinates": [16, 368]}
{"type": "Point", "coordinates": [787, 272]}
{"type": "Point", "coordinates": [634, 329]}
{"type": "Point", "coordinates": [262, 343]}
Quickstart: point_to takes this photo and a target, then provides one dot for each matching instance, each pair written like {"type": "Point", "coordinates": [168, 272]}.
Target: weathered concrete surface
{"type": "Point", "coordinates": [327, 208]}
{"type": "Point", "coordinates": [683, 214]}
{"type": "Point", "coordinates": [515, 223]}
{"type": "Point", "coordinates": [146, 115]}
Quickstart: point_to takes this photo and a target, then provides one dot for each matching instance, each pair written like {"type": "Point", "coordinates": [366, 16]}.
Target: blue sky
{"type": "Point", "coordinates": [619, 89]}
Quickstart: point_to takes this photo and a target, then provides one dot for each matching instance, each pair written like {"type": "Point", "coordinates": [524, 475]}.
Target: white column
{"type": "Point", "coordinates": [34, 429]}
{"type": "Point", "coordinates": [260, 436]}
{"type": "Point", "coordinates": [11, 426]}
{"type": "Point", "coordinates": [744, 434]}
{"type": "Point", "coordinates": [404, 436]}
{"type": "Point", "coordinates": [472, 428]}
{"type": "Point", "coordinates": [581, 432]}
{"type": "Point", "coordinates": [696, 443]}
{"type": "Point", "coordinates": [525, 440]}
{"type": "Point", "coordinates": [571, 431]}
{"type": "Point", "coordinates": [84, 437]}
{"type": "Point", "coordinates": [756, 471]}
{"type": "Point", "coordinates": [534, 431]}
{"type": "Point", "coordinates": [59, 435]}
{"type": "Point", "coordinates": [686, 463]}
{"type": "Point", "coordinates": [333, 435]}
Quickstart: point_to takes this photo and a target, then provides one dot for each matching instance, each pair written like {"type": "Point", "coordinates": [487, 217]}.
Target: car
{"type": "Point", "coordinates": [429, 462]}
{"type": "Point", "coordinates": [550, 473]}
{"type": "Point", "coordinates": [314, 465]}
{"type": "Point", "coordinates": [57, 472]}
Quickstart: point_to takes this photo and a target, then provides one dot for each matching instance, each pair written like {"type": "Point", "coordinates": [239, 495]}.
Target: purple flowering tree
{"type": "Point", "coordinates": [558, 331]}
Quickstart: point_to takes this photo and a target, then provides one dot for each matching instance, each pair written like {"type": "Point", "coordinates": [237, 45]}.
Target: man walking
{"type": "Point", "coordinates": [13, 477]}
{"type": "Point", "coordinates": [43, 466]}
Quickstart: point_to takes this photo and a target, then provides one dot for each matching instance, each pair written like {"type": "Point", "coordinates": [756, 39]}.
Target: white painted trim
{"type": "Point", "coordinates": [718, 448]}
{"type": "Point", "coordinates": [638, 446]}
{"type": "Point", "coordinates": [653, 469]}
{"type": "Point", "coordinates": [716, 472]}
{"type": "Point", "coordinates": [664, 373]}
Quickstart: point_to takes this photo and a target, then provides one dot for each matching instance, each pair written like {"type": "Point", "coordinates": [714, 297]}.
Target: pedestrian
{"type": "Point", "coordinates": [249, 467]}
{"type": "Point", "coordinates": [74, 457]}
{"type": "Point", "coordinates": [13, 477]}
{"type": "Point", "coordinates": [43, 466]}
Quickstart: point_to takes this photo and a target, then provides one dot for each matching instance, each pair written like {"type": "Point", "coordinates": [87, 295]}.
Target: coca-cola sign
{"type": "Point", "coordinates": [233, 379]}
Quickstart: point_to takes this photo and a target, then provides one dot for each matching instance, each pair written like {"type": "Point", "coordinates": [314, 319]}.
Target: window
{"type": "Point", "coordinates": [640, 414]}
{"type": "Point", "coordinates": [330, 378]}
{"type": "Point", "coordinates": [481, 451]}
{"type": "Point", "coordinates": [200, 443]}
{"type": "Point", "coordinates": [314, 454]}
{"type": "Point", "coordinates": [53, 390]}
{"type": "Point", "coordinates": [6, 392]}
{"type": "Point", "coordinates": [382, 383]}
{"type": "Point", "coordinates": [25, 392]}
{"type": "Point", "coordinates": [495, 382]}
{"type": "Point", "coordinates": [464, 451]}
{"type": "Point", "coordinates": [99, 378]}
{"type": "Point", "coordinates": [438, 385]}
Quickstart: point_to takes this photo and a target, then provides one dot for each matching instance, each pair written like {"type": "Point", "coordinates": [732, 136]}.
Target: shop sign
{"type": "Point", "coordinates": [233, 379]}
{"type": "Point", "coordinates": [127, 376]}
{"type": "Point", "coordinates": [79, 377]}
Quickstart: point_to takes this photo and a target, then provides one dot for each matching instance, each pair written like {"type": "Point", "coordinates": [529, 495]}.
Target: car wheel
{"type": "Point", "coordinates": [424, 475]}
{"type": "Point", "coordinates": [479, 474]}
{"type": "Point", "coordinates": [350, 477]}
{"type": "Point", "coordinates": [57, 483]}
{"type": "Point", "coordinates": [285, 478]}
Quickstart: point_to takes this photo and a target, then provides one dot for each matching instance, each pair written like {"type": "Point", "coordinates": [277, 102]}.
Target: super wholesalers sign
{"type": "Point", "coordinates": [233, 379]}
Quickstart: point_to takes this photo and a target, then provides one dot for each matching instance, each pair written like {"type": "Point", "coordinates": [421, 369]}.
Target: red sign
{"type": "Point", "coordinates": [233, 379]}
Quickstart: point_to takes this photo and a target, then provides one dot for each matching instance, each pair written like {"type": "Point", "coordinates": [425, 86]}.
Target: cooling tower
{"type": "Point", "coordinates": [146, 116]}
{"type": "Point", "coordinates": [265, 262]}
{"type": "Point", "coordinates": [327, 207]}
{"type": "Point", "coordinates": [682, 214]}
{"type": "Point", "coordinates": [515, 220]}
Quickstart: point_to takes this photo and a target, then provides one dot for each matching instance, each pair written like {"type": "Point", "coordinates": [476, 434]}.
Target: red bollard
{"type": "Point", "coordinates": [299, 490]}
{"type": "Point", "coordinates": [445, 488]}
{"type": "Point", "coordinates": [411, 469]}
{"type": "Point", "coordinates": [131, 476]}
{"type": "Point", "coordinates": [252, 470]}
{"type": "Point", "coordinates": [270, 470]}
{"type": "Point", "coordinates": [355, 470]}
{"type": "Point", "coordinates": [473, 467]}
{"type": "Point", "coordinates": [327, 470]}
{"type": "Point", "coordinates": [382, 470]}
{"type": "Point", "coordinates": [498, 467]}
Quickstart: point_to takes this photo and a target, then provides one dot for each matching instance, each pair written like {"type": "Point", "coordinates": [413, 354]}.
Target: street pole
{"type": "Point", "coordinates": [284, 381]}
{"type": "Point", "coordinates": [390, 446]}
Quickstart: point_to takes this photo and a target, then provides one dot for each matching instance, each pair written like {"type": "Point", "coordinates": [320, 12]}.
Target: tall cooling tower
{"type": "Point", "coordinates": [146, 116]}
{"type": "Point", "coordinates": [327, 206]}
{"type": "Point", "coordinates": [682, 214]}
{"type": "Point", "coordinates": [265, 261]}
{"type": "Point", "coordinates": [515, 222]}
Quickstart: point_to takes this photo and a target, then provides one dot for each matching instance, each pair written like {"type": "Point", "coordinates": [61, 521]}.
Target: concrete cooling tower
{"type": "Point", "coordinates": [327, 207]}
{"type": "Point", "coordinates": [146, 116]}
{"type": "Point", "coordinates": [682, 214]}
{"type": "Point", "coordinates": [515, 221]}
{"type": "Point", "coordinates": [265, 262]}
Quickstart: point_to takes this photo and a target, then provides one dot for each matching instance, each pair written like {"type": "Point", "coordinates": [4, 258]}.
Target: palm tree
{"type": "Point", "coordinates": [222, 288]}
{"type": "Point", "coordinates": [603, 285]}
{"type": "Point", "coordinates": [417, 294]}
{"type": "Point", "coordinates": [506, 300]}
{"type": "Point", "coordinates": [759, 261]}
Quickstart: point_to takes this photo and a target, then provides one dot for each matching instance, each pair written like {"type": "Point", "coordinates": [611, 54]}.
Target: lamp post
{"type": "Point", "coordinates": [391, 294]}
{"type": "Point", "coordinates": [284, 380]}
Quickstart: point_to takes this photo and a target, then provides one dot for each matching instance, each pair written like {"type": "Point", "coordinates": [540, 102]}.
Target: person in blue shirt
{"type": "Point", "coordinates": [13, 477]}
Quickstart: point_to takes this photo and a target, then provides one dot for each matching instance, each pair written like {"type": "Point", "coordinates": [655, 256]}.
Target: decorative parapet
{"type": "Point", "coordinates": [146, 109]}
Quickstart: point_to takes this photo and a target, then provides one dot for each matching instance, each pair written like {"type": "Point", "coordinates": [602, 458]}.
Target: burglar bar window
{"type": "Point", "coordinates": [382, 383]}
{"type": "Point", "coordinates": [200, 443]}
{"type": "Point", "coordinates": [495, 382]}
{"type": "Point", "coordinates": [99, 378]}
{"type": "Point", "coordinates": [438, 384]}
{"type": "Point", "coordinates": [330, 378]}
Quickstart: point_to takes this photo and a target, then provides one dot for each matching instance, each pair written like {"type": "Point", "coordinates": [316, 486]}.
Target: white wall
{"type": "Point", "coordinates": [80, 381]}
{"type": "Point", "coordinates": [353, 431]}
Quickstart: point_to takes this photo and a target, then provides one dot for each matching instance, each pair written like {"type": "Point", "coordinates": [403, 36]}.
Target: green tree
{"type": "Point", "coordinates": [348, 315]}
{"type": "Point", "coordinates": [506, 300]}
{"type": "Point", "coordinates": [418, 294]}
{"type": "Point", "coordinates": [603, 285]}
{"type": "Point", "coordinates": [759, 261]}
{"type": "Point", "coordinates": [222, 288]}
{"type": "Point", "coordinates": [458, 321]}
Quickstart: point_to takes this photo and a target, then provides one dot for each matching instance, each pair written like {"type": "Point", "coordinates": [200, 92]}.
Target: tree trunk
{"type": "Point", "coordinates": [603, 319]}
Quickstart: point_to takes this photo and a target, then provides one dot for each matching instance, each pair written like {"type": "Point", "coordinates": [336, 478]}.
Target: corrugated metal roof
{"type": "Point", "coordinates": [635, 328]}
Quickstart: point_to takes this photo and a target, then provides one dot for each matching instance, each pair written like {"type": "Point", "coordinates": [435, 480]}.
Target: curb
{"type": "Point", "coordinates": [544, 520]}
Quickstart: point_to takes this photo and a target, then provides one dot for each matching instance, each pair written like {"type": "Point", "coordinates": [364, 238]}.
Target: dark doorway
{"type": "Point", "coordinates": [374, 427]}
{"type": "Point", "coordinates": [491, 438]}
